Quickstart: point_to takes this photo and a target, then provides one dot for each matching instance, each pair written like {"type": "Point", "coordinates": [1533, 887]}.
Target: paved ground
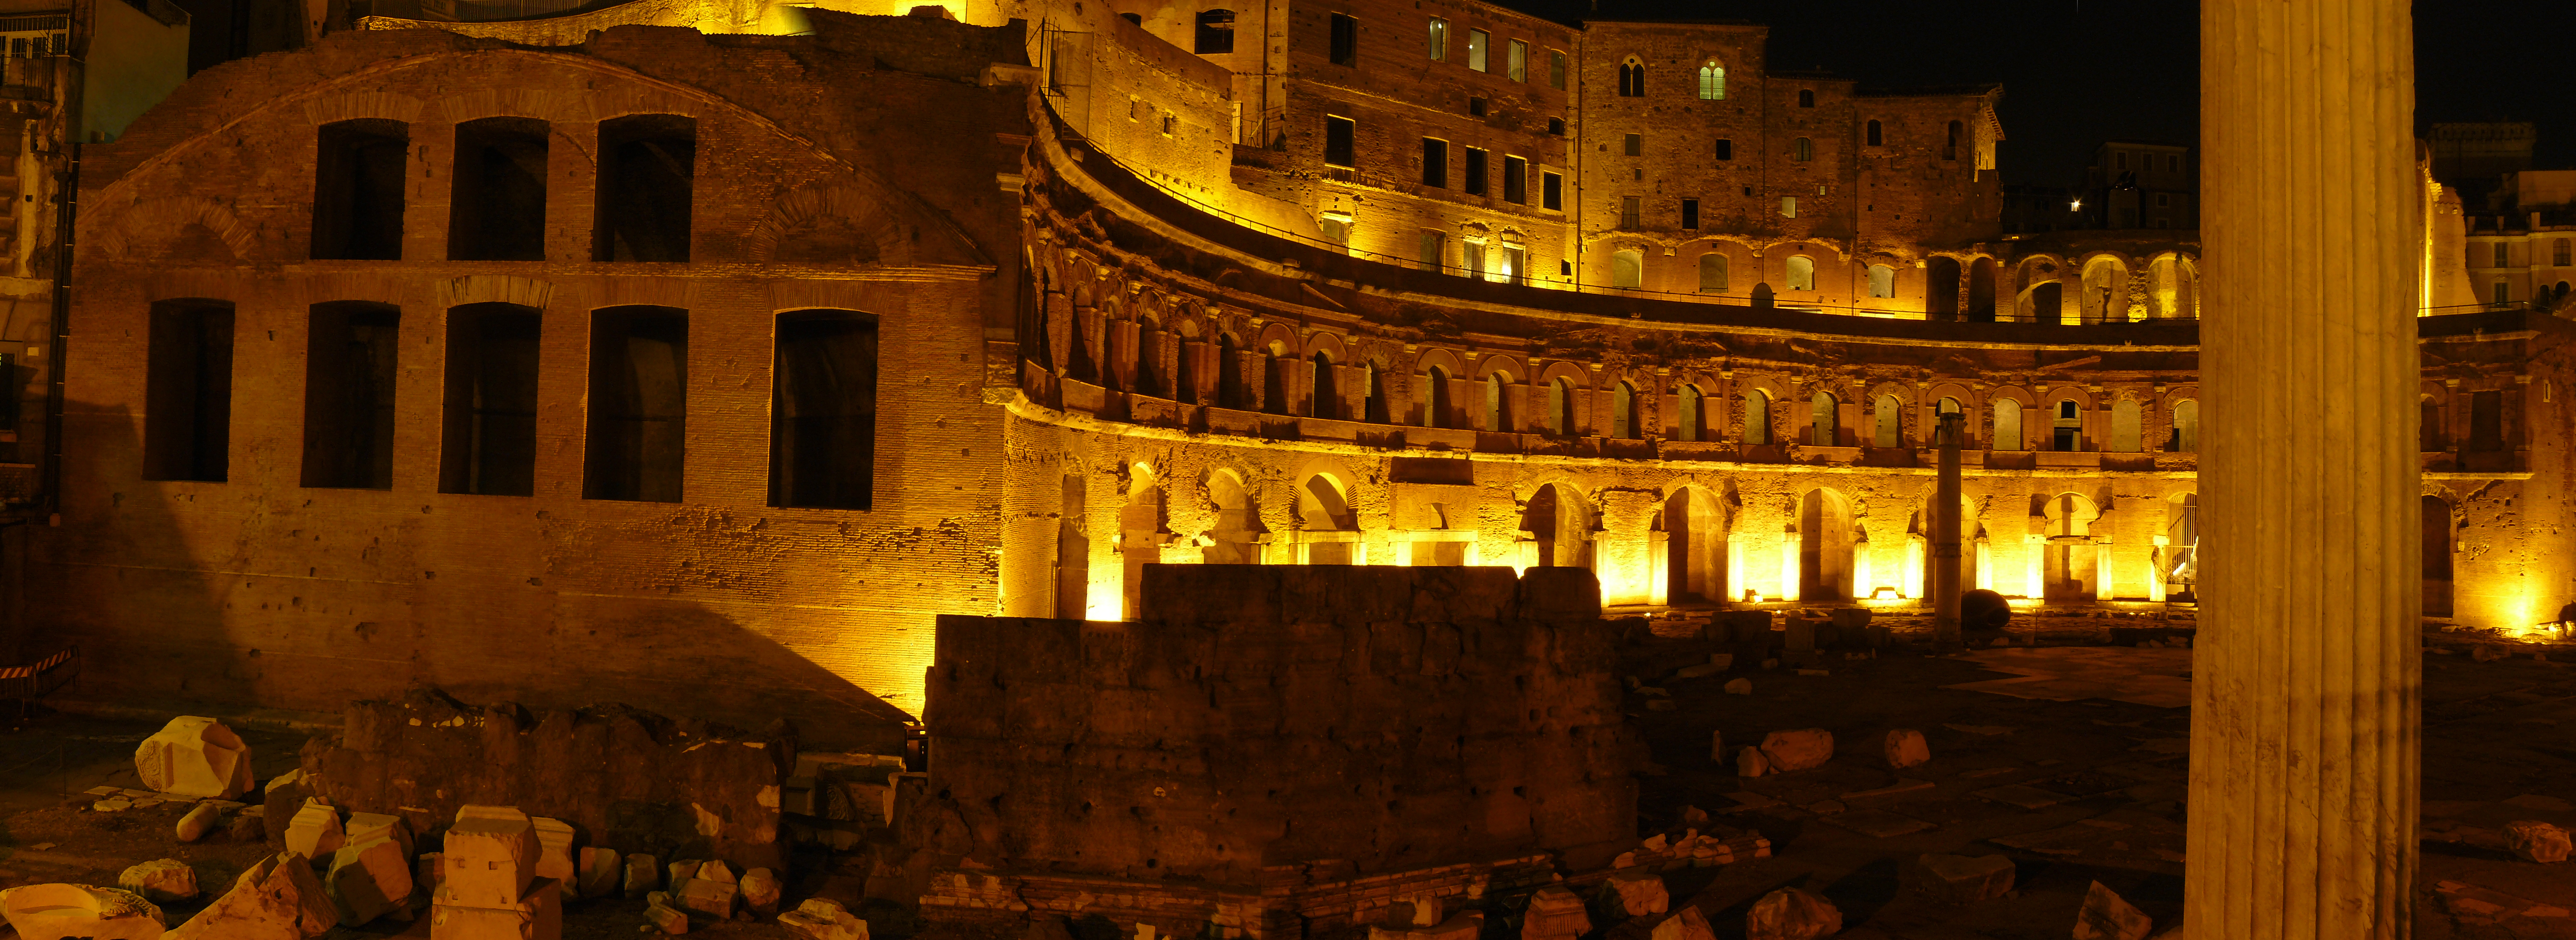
{"type": "Point", "coordinates": [2070, 760]}
{"type": "Point", "coordinates": [2086, 789]}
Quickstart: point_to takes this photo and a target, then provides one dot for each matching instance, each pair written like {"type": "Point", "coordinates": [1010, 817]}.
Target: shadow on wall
{"type": "Point", "coordinates": [160, 609]}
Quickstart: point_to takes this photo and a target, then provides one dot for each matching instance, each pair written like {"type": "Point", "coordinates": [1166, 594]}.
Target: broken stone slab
{"type": "Point", "coordinates": [2106, 917]}
{"type": "Point", "coordinates": [708, 895]}
{"type": "Point", "coordinates": [1554, 914]}
{"type": "Point", "coordinates": [1639, 892]}
{"type": "Point", "coordinates": [161, 881]}
{"type": "Point", "coordinates": [1960, 879]}
{"type": "Point", "coordinates": [1792, 914]}
{"type": "Point", "coordinates": [535, 915]}
{"type": "Point", "coordinates": [315, 831]}
{"type": "Point", "coordinates": [270, 901]}
{"type": "Point", "coordinates": [1798, 749]}
{"type": "Point", "coordinates": [1689, 924]}
{"type": "Point", "coordinates": [662, 916]}
{"type": "Point", "coordinates": [1906, 748]}
{"type": "Point", "coordinates": [369, 880]}
{"type": "Point", "coordinates": [194, 756]}
{"type": "Point", "coordinates": [1740, 686]}
{"type": "Point", "coordinates": [680, 873]}
{"type": "Point", "coordinates": [554, 851]}
{"type": "Point", "coordinates": [643, 874]}
{"type": "Point", "coordinates": [760, 891]}
{"type": "Point", "coordinates": [2536, 841]}
{"type": "Point", "coordinates": [491, 858]}
{"type": "Point", "coordinates": [113, 804]}
{"type": "Point", "coordinates": [1702, 670]}
{"type": "Point", "coordinates": [600, 872]}
{"type": "Point", "coordinates": [1750, 762]}
{"type": "Point", "coordinates": [2476, 906]}
{"type": "Point", "coordinates": [57, 911]}
{"type": "Point", "coordinates": [197, 822]}
{"type": "Point", "coordinates": [364, 827]}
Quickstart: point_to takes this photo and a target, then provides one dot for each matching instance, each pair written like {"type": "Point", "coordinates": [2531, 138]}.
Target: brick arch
{"type": "Point", "coordinates": [1905, 394]}
{"type": "Point", "coordinates": [2174, 396]}
{"type": "Point", "coordinates": [2084, 398]}
{"type": "Point", "coordinates": [883, 243]}
{"type": "Point", "coordinates": [137, 230]}
{"type": "Point", "coordinates": [1281, 334]}
{"type": "Point", "coordinates": [1512, 369]}
{"type": "Point", "coordinates": [2013, 392]}
{"type": "Point", "coordinates": [1770, 385]}
{"type": "Point", "coordinates": [1967, 397]}
{"type": "Point", "coordinates": [1447, 360]}
{"type": "Point", "coordinates": [494, 288]}
{"type": "Point", "coordinates": [545, 104]}
{"type": "Point", "coordinates": [1581, 377]}
{"type": "Point", "coordinates": [355, 105]}
{"type": "Point", "coordinates": [1330, 345]}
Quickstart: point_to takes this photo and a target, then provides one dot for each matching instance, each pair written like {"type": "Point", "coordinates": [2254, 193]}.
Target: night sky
{"type": "Point", "coordinates": [2078, 72]}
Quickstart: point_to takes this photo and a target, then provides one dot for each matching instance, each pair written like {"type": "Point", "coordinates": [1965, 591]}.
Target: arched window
{"type": "Point", "coordinates": [499, 190]}
{"type": "Point", "coordinates": [1712, 273]}
{"type": "Point", "coordinates": [1692, 425]}
{"type": "Point", "coordinates": [1229, 372]}
{"type": "Point", "coordinates": [1950, 145]}
{"type": "Point", "coordinates": [1632, 78]}
{"type": "Point", "coordinates": [1827, 410]}
{"type": "Point", "coordinates": [2434, 436]}
{"type": "Point", "coordinates": [1372, 394]}
{"type": "Point", "coordinates": [1802, 273]}
{"type": "Point", "coordinates": [2066, 434]}
{"type": "Point", "coordinates": [1888, 423]}
{"type": "Point", "coordinates": [1712, 81]}
{"type": "Point", "coordinates": [1882, 281]}
{"type": "Point", "coordinates": [1435, 398]}
{"type": "Point", "coordinates": [1806, 98]}
{"type": "Point", "coordinates": [1325, 400]}
{"type": "Point", "coordinates": [1802, 149]}
{"type": "Point", "coordinates": [644, 188]}
{"type": "Point", "coordinates": [1560, 407]}
{"type": "Point", "coordinates": [1876, 138]}
{"type": "Point", "coordinates": [1498, 406]}
{"type": "Point", "coordinates": [2186, 427]}
{"type": "Point", "coordinates": [358, 190]}
{"type": "Point", "coordinates": [1757, 416]}
{"type": "Point", "coordinates": [1627, 268]}
{"type": "Point", "coordinates": [1216, 32]}
{"type": "Point", "coordinates": [1623, 412]}
{"type": "Point", "coordinates": [1949, 406]}
{"type": "Point", "coordinates": [2007, 425]}
{"type": "Point", "coordinates": [2558, 251]}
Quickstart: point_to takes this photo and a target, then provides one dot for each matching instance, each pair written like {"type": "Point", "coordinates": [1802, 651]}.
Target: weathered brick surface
{"type": "Point", "coordinates": [1261, 715]}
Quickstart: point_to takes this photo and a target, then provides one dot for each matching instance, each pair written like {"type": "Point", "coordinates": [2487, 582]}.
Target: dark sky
{"type": "Point", "coordinates": [2078, 72]}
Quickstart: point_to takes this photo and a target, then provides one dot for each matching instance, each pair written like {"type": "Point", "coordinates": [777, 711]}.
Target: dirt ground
{"type": "Point", "coordinates": [2074, 791]}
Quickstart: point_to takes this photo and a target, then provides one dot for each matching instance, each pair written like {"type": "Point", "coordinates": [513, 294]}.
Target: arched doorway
{"type": "Point", "coordinates": [1140, 536]}
{"type": "Point", "coordinates": [1558, 525]}
{"type": "Point", "coordinates": [2045, 303]}
{"type": "Point", "coordinates": [1941, 288]}
{"type": "Point", "coordinates": [1762, 294]}
{"type": "Point", "coordinates": [1235, 538]}
{"type": "Point", "coordinates": [2437, 557]}
{"type": "Point", "coordinates": [1825, 546]}
{"type": "Point", "coordinates": [1694, 525]}
{"type": "Point", "coordinates": [1972, 531]}
{"type": "Point", "coordinates": [2105, 297]}
{"type": "Point", "coordinates": [2069, 565]}
{"type": "Point", "coordinates": [1326, 529]}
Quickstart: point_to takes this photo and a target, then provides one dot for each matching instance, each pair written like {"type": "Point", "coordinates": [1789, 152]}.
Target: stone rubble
{"type": "Point", "coordinates": [315, 831]}
{"type": "Point", "coordinates": [277, 899]}
{"type": "Point", "coordinates": [1792, 914]}
{"type": "Point", "coordinates": [199, 821]}
{"type": "Point", "coordinates": [760, 891]}
{"type": "Point", "coordinates": [59, 911]}
{"type": "Point", "coordinates": [2106, 916]}
{"type": "Point", "coordinates": [1554, 914]}
{"type": "Point", "coordinates": [659, 913]}
{"type": "Point", "coordinates": [1638, 892]}
{"type": "Point", "coordinates": [1798, 749]}
{"type": "Point", "coordinates": [1750, 762]}
{"type": "Point", "coordinates": [600, 871]}
{"type": "Point", "coordinates": [2535, 841]}
{"type": "Point", "coordinates": [824, 919]}
{"type": "Point", "coordinates": [491, 891]}
{"type": "Point", "coordinates": [643, 875]}
{"type": "Point", "coordinates": [162, 881]}
{"type": "Point", "coordinates": [370, 879]}
{"type": "Point", "coordinates": [1689, 924]}
{"type": "Point", "coordinates": [194, 756]}
{"type": "Point", "coordinates": [1906, 748]}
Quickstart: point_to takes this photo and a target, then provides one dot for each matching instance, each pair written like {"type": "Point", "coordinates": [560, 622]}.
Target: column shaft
{"type": "Point", "coordinates": [2306, 672]}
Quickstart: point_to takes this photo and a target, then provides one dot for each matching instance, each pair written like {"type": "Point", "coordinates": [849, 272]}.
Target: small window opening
{"type": "Point", "coordinates": [1725, 149]}
{"type": "Point", "coordinates": [1690, 214]}
{"type": "Point", "coordinates": [1551, 192]}
{"type": "Point", "coordinates": [1515, 180]}
{"type": "Point", "coordinates": [1339, 141]}
{"type": "Point", "coordinates": [1806, 98]}
{"type": "Point", "coordinates": [1215, 32]}
{"type": "Point", "coordinates": [1712, 273]}
{"type": "Point", "coordinates": [1476, 107]}
{"type": "Point", "coordinates": [1802, 149]}
{"type": "Point", "coordinates": [647, 170]}
{"type": "Point", "coordinates": [1435, 162]}
{"type": "Point", "coordinates": [1477, 42]}
{"type": "Point", "coordinates": [1875, 138]}
{"type": "Point", "coordinates": [1325, 398]}
{"type": "Point", "coordinates": [1346, 40]}
{"type": "Point", "coordinates": [498, 212]}
{"type": "Point", "coordinates": [490, 426]}
{"type": "Point", "coordinates": [1632, 79]}
{"type": "Point", "coordinates": [1560, 408]}
{"type": "Point", "coordinates": [1556, 127]}
{"type": "Point", "coordinates": [1517, 64]}
{"type": "Point", "coordinates": [1435, 398]}
{"type": "Point", "coordinates": [1757, 416]}
{"type": "Point", "coordinates": [1802, 273]}
{"type": "Point", "coordinates": [1556, 69]}
{"type": "Point", "coordinates": [639, 404]}
{"type": "Point", "coordinates": [1950, 145]}
{"type": "Point", "coordinates": [1712, 82]}
{"type": "Point", "coordinates": [188, 391]}
{"type": "Point", "coordinates": [1475, 185]}
{"type": "Point", "coordinates": [1498, 404]}
{"type": "Point", "coordinates": [823, 418]}
{"type": "Point", "coordinates": [1623, 412]}
{"type": "Point", "coordinates": [1692, 423]}
{"type": "Point", "coordinates": [1827, 414]}
{"type": "Point", "coordinates": [1439, 40]}
{"type": "Point", "coordinates": [349, 368]}
{"type": "Point", "coordinates": [358, 190]}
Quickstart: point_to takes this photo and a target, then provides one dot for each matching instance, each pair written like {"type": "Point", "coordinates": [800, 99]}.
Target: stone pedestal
{"type": "Point", "coordinates": [2305, 692]}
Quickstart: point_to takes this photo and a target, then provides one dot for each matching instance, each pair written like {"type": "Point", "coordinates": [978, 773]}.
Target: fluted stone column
{"type": "Point", "coordinates": [2306, 673]}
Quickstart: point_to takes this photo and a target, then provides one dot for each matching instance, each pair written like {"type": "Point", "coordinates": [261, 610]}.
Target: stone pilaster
{"type": "Point", "coordinates": [2305, 702]}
